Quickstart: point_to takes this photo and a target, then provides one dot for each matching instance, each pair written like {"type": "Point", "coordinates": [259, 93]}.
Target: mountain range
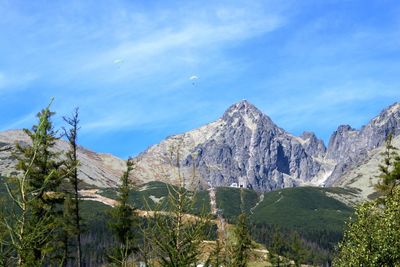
{"type": "Point", "coordinates": [243, 148]}
{"type": "Point", "coordinates": [246, 148]}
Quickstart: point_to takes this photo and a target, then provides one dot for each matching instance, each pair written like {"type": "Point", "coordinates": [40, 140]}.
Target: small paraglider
{"type": "Point", "coordinates": [193, 78]}
{"type": "Point", "coordinates": [118, 62]}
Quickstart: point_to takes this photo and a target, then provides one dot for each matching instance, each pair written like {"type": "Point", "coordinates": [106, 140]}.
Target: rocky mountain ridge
{"type": "Point", "coordinates": [244, 148]}
{"type": "Point", "coordinates": [348, 146]}
{"type": "Point", "coordinates": [363, 176]}
{"type": "Point", "coordinates": [96, 169]}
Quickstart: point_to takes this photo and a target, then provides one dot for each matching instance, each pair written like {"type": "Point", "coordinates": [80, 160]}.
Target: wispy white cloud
{"type": "Point", "coordinates": [15, 81]}
{"type": "Point", "coordinates": [190, 41]}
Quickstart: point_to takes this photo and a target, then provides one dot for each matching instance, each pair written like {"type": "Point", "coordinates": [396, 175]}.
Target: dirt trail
{"type": "Point", "coordinates": [91, 194]}
{"type": "Point", "coordinates": [261, 198]}
{"type": "Point", "coordinates": [213, 200]}
{"type": "Point", "coordinates": [220, 221]}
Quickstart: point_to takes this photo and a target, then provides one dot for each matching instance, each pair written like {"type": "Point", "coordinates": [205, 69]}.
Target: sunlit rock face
{"type": "Point", "coordinates": [349, 147]}
{"type": "Point", "coordinates": [244, 147]}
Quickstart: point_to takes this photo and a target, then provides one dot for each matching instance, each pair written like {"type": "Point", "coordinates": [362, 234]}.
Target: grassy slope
{"type": "Point", "coordinates": [229, 201]}
{"type": "Point", "coordinates": [302, 207]}
{"type": "Point", "coordinates": [144, 197]}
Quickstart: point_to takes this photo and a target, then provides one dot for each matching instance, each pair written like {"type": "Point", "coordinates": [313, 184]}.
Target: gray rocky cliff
{"type": "Point", "coordinates": [244, 147]}
{"type": "Point", "coordinates": [314, 147]}
{"type": "Point", "coordinates": [348, 147]}
{"type": "Point", "coordinates": [247, 148]}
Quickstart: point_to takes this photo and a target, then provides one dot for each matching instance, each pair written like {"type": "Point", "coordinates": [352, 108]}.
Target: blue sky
{"type": "Point", "coordinates": [309, 65]}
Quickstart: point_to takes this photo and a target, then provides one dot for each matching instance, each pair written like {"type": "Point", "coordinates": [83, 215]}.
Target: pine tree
{"type": "Point", "coordinates": [216, 257]}
{"type": "Point", "coordinates": [5, 248]}
{"type": "Point", "coordinates": [277, 249]}
{"type": "Point", "coordinates": [297, 252]}
{"type": "Point", "coordinates": [35, 195]}
{"type": "Point", "coordinates": [123, 223]}
{"type": "Point", "coordinates": [176, 236]}
{"type": "Point", "coordinates": [72, 218]}
{"type": "Point", "coordinates": [390, 169]}
{"type": "Point", "coordinates": [242, 245]}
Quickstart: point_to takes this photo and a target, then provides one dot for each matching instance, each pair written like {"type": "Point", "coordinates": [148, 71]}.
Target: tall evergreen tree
{"type": "Point", "coordinates": [297, 251]}
{"type": "Point", "coordinates": [242, 245]}
{"type": "Point", "coordinates": [5, 248]}
{"type": "Point", "coordinates": [390, 168]}
{"type": "Point", "coordinates": [123, 222]}
{"type": "Point", "coordinates": [176, 236]}
{"type": "Point", "coordinates": [72, 218]}
{"type": "Point", "coordinates": [35, 193]}
{"type": "Point", "coordinates": [277, 249]}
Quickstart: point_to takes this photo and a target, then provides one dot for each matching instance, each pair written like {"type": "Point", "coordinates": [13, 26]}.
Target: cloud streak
{"type": "Point", "coordinates": [11, 81]}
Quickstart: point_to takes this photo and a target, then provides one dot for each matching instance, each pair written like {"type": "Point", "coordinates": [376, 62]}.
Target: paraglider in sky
{"type": "Point", "coordinates": [193, 78]}
{"type": "Point", "coordinates": [118, 61]}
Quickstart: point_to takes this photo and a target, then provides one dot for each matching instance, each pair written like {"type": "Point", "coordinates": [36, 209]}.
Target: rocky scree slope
{"type": "Point", "coordinates": [349, 147]}
{"type": "Point", "coordinates": [364, 176]}
{"type": "Point", "coordinates": [102, 170]}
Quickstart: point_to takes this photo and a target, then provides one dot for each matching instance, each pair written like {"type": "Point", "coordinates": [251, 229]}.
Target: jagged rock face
{"type": "Point", "coordinates": [102, 170]}
{"type": "Point", "coordinates": [313, 146]}
{"type": "Point", "coordinates": [243, 147]}
{"type": "Point", "coordinates": [363, 177]}
{"type": "Point", "coordinates": [348, 147]}
{"type": "Point", "coordinates": [343, 143]}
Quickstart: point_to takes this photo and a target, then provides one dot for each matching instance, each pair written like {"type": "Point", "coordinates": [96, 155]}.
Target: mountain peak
{"type": "Point", "coordinates": [243, 108]}
{"type": "Point", "coordinates": [391, 110]}
{"type": "Point", "coordinates": [389, 115]}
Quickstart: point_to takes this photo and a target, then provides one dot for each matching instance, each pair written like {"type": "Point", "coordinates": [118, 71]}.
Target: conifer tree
{"type": "Point", "coordinates": [242, 245]}
{"type": "Point", "coordinates": [238, 246]}
{"type": "Point", "coordinates": [5, 249]}
{"type": "Point", "coordinates": [72, 218]}
{"type": "Point", "coordinates": [277, 249]}
{"type": "Point", "coordinates": [390, 169]}
{"type": "Point", "coordinates": [175, 235]}
{"type": "Point", "coordinates": [296, 249]}
{"type": "Point", "coordinates": [35, 193]}
{"type": "Point", "coordinates": [123, 223]}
